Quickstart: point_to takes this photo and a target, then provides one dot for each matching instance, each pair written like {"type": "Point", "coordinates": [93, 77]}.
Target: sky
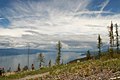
{"type": "Point", "coordinates": [42, 23]}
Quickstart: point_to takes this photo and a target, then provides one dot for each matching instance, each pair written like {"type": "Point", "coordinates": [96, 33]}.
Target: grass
{"type": "Point", "coordinates": [83, 68]}
{"type": "Point", "coordinates": [88, 67]}
{"type": "Point", "coordinates": [25, 73]}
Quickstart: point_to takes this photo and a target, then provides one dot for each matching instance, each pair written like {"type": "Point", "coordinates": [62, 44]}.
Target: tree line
{"type": "Point", "coordinates": [113, 46]}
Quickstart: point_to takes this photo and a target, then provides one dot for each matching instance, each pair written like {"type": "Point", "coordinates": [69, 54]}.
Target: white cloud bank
{"type": "Point", "coordinates": [46, 22]}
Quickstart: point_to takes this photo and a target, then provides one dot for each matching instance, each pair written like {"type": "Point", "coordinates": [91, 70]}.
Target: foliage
{"type": "Point", "coordinates": [88, 55]}
{"type": "Point", "coordinates": [25, 68]}
{"type": "Point", "coordinates": [49, 63]}
{"type": "Point", "coordinates": [41, 59]}
{"type": "Point", "coordinates": [117, 37]}
{"type": "Point", "coordinates": [111, 35]}
{"type": "Point", "coordinates": [99, 45]}
{"type": "Point", "coordinates": [19, 69]}
{"type": "Point", "coordinates": [59, 46]}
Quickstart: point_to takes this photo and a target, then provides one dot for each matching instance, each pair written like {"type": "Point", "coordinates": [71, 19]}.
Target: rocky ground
{"type": "Point", "coordinates": [87, 70]}
{"type": "Point", "coordinates": [105, 75]}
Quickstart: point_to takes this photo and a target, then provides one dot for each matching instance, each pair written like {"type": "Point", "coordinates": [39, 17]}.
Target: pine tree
{"type": "Point", "coordinates": [49, 64]}
{"type": "Point", "coordinates": [99, 45]}
{"type": "Point", "coordinates": [19, 69]}
{"type": "Point", "coordinates": [59, 46]}
{"type": "Point", "coordinates": [62, 62]}
{"type": "Point", "coordinates": [88, 55]}
{"type": "Point", "coordinates": [111, 35]}
{"type": "Point", "coordinates": [41, 59]}
{"type": "Point", "coordinates": [117, 37]}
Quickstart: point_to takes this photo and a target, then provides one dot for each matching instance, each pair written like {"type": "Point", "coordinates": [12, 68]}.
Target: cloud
{"type": "Point", "coordinates": [93, 12]}
{"type": "Point", "coordinates": [103, 5]}
{"type": "Point", "coordinates": [47, 22]}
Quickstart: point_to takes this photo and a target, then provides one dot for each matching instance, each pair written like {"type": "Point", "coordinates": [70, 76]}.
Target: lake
{"type": "Point", "coordinates": [13, 60]}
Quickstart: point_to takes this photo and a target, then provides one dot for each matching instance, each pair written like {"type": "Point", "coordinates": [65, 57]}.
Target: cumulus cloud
{"type": "Point", "coordinates": [46, 21]}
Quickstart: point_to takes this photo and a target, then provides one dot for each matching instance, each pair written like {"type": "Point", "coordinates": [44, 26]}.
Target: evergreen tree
{"type": "Point", "coordinates": [41, 59]}
{"type": "Point", "coordinates": [99, 45]}
{"type": "Point", "coordinates": [117, 37]}
{"type": "Point", "coordinates": [88, 55]}
{"type": "Point", "coordinates": [59, 46]}
{"type": "Point", "coordinates": [19, 69]}
{"type": "Point", "coordinates": [111, 35]}
{"type": "Point", "coordinates": [32, 67]}
{"type": "Point", "coordinates": [62, 62]}
{"type": "Point", "coordinates": [49, 63]}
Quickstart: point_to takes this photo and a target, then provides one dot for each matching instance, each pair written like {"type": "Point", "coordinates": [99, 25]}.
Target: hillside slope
{"type": "Point", "coordinates": [105, 68]}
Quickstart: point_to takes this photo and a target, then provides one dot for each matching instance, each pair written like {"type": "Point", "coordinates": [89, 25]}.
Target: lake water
{"type": "Point", "coordinates": [13, 60]}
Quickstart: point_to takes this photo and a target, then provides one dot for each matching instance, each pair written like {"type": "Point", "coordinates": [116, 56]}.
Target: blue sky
{"type": "Point", "coordinates": [44, 22]}
{"type": "Point", "coordinates": [95, 5]}
{"type": "Point", "coordinates": [113, 5]}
